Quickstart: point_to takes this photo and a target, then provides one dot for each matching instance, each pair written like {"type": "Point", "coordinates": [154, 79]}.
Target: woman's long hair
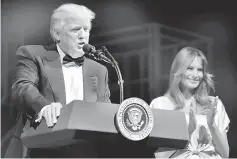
{"type": "Point", "coordinates": [180, 64]}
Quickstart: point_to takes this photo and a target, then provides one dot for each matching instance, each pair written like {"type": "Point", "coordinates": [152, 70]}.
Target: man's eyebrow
{"type": "Point", "coordinates": [75, 27]}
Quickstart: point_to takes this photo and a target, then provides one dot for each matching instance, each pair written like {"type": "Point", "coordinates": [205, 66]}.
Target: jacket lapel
{"type": "Point", "coordinates": [90, 86]}
{"type": "Point", "coordinates": [53, 69]}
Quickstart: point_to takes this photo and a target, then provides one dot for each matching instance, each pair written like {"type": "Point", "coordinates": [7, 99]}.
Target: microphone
{"type": "Point", "coordinates": [90, 50]}
{"type": "Point", "coordinates": [99, 54]}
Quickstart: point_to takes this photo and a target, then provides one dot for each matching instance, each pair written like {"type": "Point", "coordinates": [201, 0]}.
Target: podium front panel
{"type": "Point", "coordinates": [95, 121]}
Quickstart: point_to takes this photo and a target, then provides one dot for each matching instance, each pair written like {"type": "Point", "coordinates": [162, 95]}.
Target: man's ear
{"type": "Point", "coordinates": [56, 35]}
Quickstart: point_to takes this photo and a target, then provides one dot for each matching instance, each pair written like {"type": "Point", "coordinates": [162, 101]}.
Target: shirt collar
{"type": "Point", "coordinates": [61, 53]}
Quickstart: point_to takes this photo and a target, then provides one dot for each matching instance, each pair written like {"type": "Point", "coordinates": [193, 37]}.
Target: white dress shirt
{"type": "Point", "coordinates": [73, 80]}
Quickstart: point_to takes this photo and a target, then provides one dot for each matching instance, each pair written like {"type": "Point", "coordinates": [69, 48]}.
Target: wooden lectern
{"type": "Point", "coordinates": [95, 121]}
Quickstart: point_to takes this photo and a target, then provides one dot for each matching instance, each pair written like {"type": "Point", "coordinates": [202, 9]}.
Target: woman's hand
{"type": "Point", "coordinates": [192, 120]}
{"type": "Point", "coordinates": [211, 113]}
{"type": "Point", "coordinates": [219, 139]}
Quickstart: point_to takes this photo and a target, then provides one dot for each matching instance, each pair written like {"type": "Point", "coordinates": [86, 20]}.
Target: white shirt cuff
{"type": "Point", "coordinates": [40, 114]}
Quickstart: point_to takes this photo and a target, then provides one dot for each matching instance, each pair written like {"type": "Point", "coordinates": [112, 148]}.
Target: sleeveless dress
{"type": "Point", "coordinates": [200, 144]}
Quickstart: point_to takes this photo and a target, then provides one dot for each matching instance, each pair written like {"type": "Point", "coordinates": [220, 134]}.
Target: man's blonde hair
{"type": "Point", "coordinates": [68, 11]}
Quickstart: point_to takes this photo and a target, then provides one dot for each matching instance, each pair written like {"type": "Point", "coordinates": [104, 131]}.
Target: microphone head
{"type": "Point", "coordinates": [87, 48]}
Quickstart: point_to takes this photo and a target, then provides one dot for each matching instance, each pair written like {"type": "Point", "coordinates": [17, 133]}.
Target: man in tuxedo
{"type": "Point", "coordinates": [50, 77]}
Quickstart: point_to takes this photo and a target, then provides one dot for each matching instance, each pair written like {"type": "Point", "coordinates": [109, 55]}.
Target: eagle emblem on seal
{"type": "Point", "coordinates": [134, 119]}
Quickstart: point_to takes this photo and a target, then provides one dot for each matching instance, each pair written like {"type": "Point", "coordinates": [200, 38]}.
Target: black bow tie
{"type": "Point", "coordinates": [79, 61]}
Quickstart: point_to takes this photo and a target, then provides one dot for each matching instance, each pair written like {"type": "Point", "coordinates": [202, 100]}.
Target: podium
{"type": "Point", "coordinates": [94, 121]}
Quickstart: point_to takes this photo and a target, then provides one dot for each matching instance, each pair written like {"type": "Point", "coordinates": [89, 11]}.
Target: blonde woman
{"type": "Point", "coordinates": [188, 91]}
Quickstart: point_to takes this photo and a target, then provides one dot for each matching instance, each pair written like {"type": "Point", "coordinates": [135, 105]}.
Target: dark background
{"type": "Point", "coordinates": [27, 22]}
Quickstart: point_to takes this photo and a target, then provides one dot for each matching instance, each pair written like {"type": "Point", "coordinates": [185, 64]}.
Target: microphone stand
{"type": "Point", "coordinates": [115, 65]}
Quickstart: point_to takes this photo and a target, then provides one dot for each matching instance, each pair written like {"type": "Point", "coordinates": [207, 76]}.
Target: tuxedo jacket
{"type": "Point", "coordinates": [39, 79]}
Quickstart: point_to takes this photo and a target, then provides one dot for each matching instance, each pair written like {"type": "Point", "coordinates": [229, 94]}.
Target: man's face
{"type": "Point", "coordinates": [74, 35]}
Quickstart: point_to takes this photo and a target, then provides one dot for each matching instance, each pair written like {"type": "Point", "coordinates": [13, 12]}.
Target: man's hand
{"type": "Point", "coordinates": [51, 112]}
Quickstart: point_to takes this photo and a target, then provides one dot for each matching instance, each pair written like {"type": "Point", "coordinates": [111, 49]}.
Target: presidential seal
{"type": "Point", "coordinates": [134, 119]}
